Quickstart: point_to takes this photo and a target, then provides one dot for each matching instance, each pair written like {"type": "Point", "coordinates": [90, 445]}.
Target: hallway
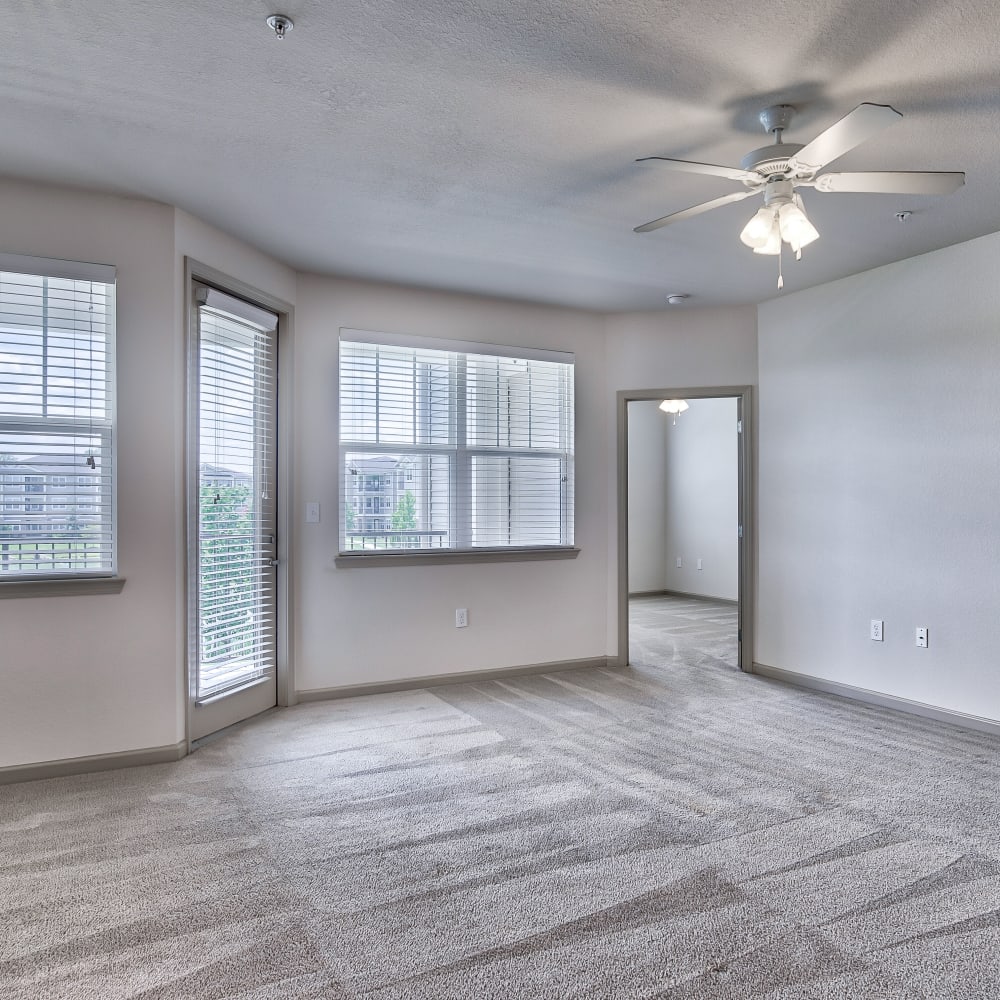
{"type": "Point", "coordinates": [666, 629]}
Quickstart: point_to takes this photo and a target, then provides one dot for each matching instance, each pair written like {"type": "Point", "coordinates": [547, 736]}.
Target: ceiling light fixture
{"type": "Point", "coordinates": [783, 218]}
{"type": "Point", "coordinates": [280, 24]}
{"type": "Point", "coordinates": [777, 170]}
{"type": "Point", "coordinates": [673, 406]}
{"type": "Point", "coordinates": [676, 298]}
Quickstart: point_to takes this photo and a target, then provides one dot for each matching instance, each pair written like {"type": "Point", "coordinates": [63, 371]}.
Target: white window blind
{"type": "Point", "coordinates": [235, 628]}
{"type": "Point", "coordinates": [454, 446]}
{"type": "Point", "coordinates": [57, 461]}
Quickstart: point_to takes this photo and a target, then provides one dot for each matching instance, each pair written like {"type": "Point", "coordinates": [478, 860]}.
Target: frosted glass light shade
{"type": "Point", "coordinates": [795, 228]}
{"type": "Point", "coordinates": [673, 406]}
{"type": "Point", "coordinates": [757, 231]}
{"type": "Point", "coordinates": [773, 244]}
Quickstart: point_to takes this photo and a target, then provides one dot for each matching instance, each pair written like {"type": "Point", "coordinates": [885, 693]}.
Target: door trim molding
{"type": "Point", "coordinates": [196, 271]}
{"type": "Point", "coordinates": [747, 514]}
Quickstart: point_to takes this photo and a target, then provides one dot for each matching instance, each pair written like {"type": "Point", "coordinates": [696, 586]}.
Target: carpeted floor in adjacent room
{"type": "Point", "coordinates": [675, 830]}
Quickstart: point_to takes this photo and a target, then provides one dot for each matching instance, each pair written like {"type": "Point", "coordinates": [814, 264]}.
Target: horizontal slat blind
{"type": "Point", "coordinates": [57, 466]}
{"type": "Point", "coordinates": [454, 449]}
{"type": "Point", "coordinates": [236, 580]}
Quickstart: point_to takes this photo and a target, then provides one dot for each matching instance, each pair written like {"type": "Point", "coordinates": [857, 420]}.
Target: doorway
{"type": "Point", "coordinates": [684, 527]}
{"type": "Point", "coordinates": [234, 579]}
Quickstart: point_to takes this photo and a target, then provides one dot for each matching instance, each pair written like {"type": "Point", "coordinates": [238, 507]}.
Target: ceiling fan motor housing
{"type": "Point", "coordinates": [778, 191]}
{"type": "Point", "coordinates": [770, 160]}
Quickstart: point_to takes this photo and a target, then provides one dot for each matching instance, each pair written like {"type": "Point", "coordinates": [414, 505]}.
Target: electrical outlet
{"type": "Point", "coordinates": [312, 512]}
{"type": "Point", "coordinates": [680, 562]}
{"type": "Point", "coordinates": [461, 617]}
{"type": "Point", "coordinates": [876, 630]}
{"type": "Point", "coordinates": [922, 636]}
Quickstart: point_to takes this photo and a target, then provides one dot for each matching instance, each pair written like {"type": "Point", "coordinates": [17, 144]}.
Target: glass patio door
{"type": "Point", "coordinates": [231, 524]}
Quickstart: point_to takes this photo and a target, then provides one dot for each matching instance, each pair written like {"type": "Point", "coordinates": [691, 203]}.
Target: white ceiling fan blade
{"type": "Point", "coordinates": [695, 210]}
{"type": "Point", "coordinates": [712, 169]}
{"type": "Point", "coordinates": [853, 129]}
{"type": "Point", "coordinates": [892, 182]}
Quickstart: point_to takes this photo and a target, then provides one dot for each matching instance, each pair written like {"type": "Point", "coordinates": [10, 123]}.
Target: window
{"type": "Point", "coordinates": [463, 446]}
{"type": "Point", "coordinates": [56, 419]}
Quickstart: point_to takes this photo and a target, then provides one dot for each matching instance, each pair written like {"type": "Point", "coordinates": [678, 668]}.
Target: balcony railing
{"type": "Point", "coordinates": [370, 540]}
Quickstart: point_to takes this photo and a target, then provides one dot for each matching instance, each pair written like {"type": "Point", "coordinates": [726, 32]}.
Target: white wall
{"type": "Point", "coordinates": [97, 674]}
{"type": "Point", "coordinates": [701, 500]}
{"type": "Point", "coordinates": [647, 480]}
{"type": "Point", "coordinates": [372, 624]}
{"type": "Point", "coordinates": [100, 674]}
{"type": "Point", "coordinates": [670, 349]}
{"type": "Point", "coordinates": [880, 477]}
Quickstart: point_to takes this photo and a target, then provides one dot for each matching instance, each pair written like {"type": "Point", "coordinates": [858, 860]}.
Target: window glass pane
{"type": "Point", "coordinates": [397, 501]}
{"type": "Point", "coordinates": [517, 403]}
{"type": "Point", "coordinates": [417, 428]}
{"type": "Point", "coordinates": [56, 443]}
{"type": "Point", "coordinates": [517, 500]}
{"type": "Point", "coordinates": [395, 395]}
{"type": "Point", "coordinates": [232, 574]}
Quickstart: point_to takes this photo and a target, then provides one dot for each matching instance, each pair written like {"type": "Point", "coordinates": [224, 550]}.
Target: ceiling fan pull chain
{"type": "Point", "coordinates": [781, 280]}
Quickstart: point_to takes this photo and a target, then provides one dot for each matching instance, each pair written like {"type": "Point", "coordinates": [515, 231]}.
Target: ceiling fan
{"type": "Point", "coordinates": [777, 170]}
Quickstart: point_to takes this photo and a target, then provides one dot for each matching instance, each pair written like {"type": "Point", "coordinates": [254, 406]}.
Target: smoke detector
{"type": "Point", "coordinates": [676, 298]}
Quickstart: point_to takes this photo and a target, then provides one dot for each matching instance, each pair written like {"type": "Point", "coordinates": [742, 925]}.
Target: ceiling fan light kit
{"type": "Point", "coordinates": [777, 170]}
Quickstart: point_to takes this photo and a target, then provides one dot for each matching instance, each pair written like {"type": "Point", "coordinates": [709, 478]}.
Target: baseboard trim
{"type": "Point", "coordinates": [878, 698]}
{"type": "Point", "coordinates": [685, 594]}
{"type": "Point", "coordinates": [87, 765]}
{"type": "Point", "coordinates": [437, 680]}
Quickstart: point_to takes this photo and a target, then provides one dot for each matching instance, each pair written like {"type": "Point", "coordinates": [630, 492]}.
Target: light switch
{"type": "Point", "coordinates": [312, 512]}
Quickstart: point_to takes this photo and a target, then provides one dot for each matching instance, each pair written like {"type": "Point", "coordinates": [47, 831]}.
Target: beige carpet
{"type": "Point", "coordinates": [669, 831]}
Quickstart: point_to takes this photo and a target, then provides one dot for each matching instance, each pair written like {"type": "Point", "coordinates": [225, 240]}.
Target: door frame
{"type": "Point", "coordinates": [746, 512]}
{"type": "Point", "coordinates": [196, 272]}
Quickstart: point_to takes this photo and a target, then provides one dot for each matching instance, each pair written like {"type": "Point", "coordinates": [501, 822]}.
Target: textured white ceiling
{"type": "Point", "coordinates": [488, 145]}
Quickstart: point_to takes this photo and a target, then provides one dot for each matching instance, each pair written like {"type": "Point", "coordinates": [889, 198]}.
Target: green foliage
{"type": "Point", "coordinates": [349, 518]}
{"type": "Point", "coordinates": [228, 566]}
{"type": "Point", "coordinates": [225, 509]}
{"type": "Point", "coordinates": [404, 517]}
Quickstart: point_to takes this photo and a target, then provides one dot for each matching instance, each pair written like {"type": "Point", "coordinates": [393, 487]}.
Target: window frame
{"type": "Point", "coordinates": [68, 583]}
{"type": "Point", "coordinates": [460, 456]}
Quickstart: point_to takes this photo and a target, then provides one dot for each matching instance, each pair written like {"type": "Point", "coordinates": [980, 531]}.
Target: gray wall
{"type": "Point", "coordinates": [702, 499]}
{"type": "Point", "coordinates": [390, 623]}
{"type": "Point", "coordinates": [682, 347]}
{"type": "Point", "coordinates": [879, 465]}
{"type": "Point", "coordinates": [98, 674]}
{"type": "Point", "coordinates": [647, 484]}
{"type": "Point", "coordinates": [683, 482]}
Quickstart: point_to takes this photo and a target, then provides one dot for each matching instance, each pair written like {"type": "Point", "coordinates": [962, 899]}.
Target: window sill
{"type": "Point", "coordinates": [62, 587]}
{"type": "Point", "coordinates": [424, 557]}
